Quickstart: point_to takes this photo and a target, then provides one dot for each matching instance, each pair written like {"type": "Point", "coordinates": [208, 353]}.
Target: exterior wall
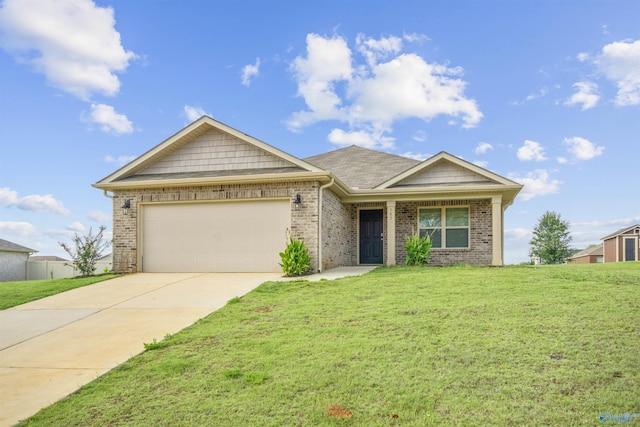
{"type": "Point", "coordinates": [13, 266]}
{"type": "Point", "coordinates": [304, 221]}
{"type": "Point", "coordinates": [614, 247]}
{"type": "Point", "coordinates": [480, 232]}
{"type": "Point", "coordinates": [587, 259]}
{"type": "Point", "coordinates": [338, 234]}
{"type": "Point", "coordinates": [215, 150]}
{"type": "Point", "coordinates": [609, 250]}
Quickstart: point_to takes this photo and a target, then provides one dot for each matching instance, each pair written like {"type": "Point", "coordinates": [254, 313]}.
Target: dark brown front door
{"type": "Point", "coordinates": [371, 236]}
{"type": "Point", "coordinates": [629, 249]}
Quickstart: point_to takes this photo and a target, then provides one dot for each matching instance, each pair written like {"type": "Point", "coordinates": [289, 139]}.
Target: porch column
{"type": "Point", "coordinates": [496, 230]}
{"type": "Point", "coordinates": [391, 232]}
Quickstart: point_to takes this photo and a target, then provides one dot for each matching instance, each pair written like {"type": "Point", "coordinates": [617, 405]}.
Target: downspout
{"type": "Point", "coordinates": [107, 195]}
{"type": "Point", "coordinates": [329, 184]}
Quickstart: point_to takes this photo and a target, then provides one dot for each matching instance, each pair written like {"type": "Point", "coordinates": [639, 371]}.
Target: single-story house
{"type": "Point", "coordinates": [623, 245]}
{"type": "Point", "coordinates": [590, 255]}
{"type": "Point", "coordinates": [211, 198]}
{"type": "Point", "coordinates": [13, 261]}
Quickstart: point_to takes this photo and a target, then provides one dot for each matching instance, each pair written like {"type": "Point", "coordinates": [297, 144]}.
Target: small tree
{"type": "Point", "coordinates": [86, 251]}
{"type": "Point", "coordinates": [551, 239]}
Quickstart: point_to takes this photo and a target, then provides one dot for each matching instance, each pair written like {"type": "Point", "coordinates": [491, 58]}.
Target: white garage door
{"type": "Point", "coordinates": [214, 237]}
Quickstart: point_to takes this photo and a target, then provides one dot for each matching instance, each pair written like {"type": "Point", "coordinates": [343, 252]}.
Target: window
{"type": "Point", "coordinates": [448, 227]}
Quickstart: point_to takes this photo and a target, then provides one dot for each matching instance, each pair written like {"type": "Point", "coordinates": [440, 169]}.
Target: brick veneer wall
{"type": "Point", "coordinates": [125, 227]}
{"type": "Point", "coordinates": [480, 232]}
{"type": "Point", "coordinates": [338, 234]}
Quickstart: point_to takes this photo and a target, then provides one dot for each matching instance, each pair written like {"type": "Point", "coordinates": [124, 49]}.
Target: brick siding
{"type": "Point", "coordinates": [125, 227]}
{"type": "Point", "coordinates": [480, 232]}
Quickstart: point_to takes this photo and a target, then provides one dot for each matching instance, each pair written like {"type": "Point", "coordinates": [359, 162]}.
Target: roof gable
{"type": "Point", "coordinates": [204, 149]}
{"type": "Point", "coordinates": [362, 168]}
{"type": "Point", "coordinates": [445, 170]}
{"type": "Point", "coordinates": [626, 230]}
{"type": "Point", "coordinates": [215, 150]}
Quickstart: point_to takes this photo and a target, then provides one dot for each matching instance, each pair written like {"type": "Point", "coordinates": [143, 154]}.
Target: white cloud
{"type": "Point", "coordinates": [193, 113]}
{"type": "Point", "coordinates": [483, 147]}
{"type": "Point", "coordinates": [582, 56]}
{"type": "Point", "coordinates": [375, 50]}
{"type": "Point", "coordinates": [481, 163]}
{"type": "Point", "coordinates": [250, 71]}
{"type": "Point", "coordinates": [328, 61]}
{"type": "Point", "coordinates": [75, 227]}
{"type": "Point", "coordinates": [620, 63]}
{"type": "Point", "coordinates": [109, 120]}
{"type": "Point", "coordinates": [587, 95]}
{"type": "Point", "coordinates": [98, 216]}
{"type": "Point", "coordinates": [416, 156]}
{"type": "Point", "coordinates": [120, 160]}
{"type": "Point", "coordinates": [388, 86]}
{"type": "Point", "coordinates": [18, 228]}
{"type": "Point", "coordinates": [582, 149]}
{"type": "Point", "coordinates": [531, 150]}
{"type": "Point", "coordinates": [74, 43]}
{"type": "Point", "coordinates": [361, 138]}
{"type": "Point", "coordinates": [419, 136]}
{"type": "Point", "coordinates": [35, 202]}
{"type": "Point", "coordinates": [536, 183]}
{"type": "Point", "coordinates": [541, 93]}
{"type": "Point", "coordinates": [562, 160]}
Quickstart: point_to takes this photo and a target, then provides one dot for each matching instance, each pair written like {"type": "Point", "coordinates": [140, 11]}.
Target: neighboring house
{"type": "Point", "coordinates": [623, 245]}
{"type": "Point", "coordinates": [590, 255]}
{"type": "Point", "coordinates": [211, 198]}
{"type": "Point", "coordinates": [13, 261]}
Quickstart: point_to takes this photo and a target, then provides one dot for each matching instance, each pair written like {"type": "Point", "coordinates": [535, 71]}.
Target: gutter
{"type": "Point", "coordinates": [330, 183]}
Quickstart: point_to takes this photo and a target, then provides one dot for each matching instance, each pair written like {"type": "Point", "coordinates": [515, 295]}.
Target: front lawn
{"type": "Point", "coordinates": [16, 293]}
{"type": "Point", "coordinates": [556, 345]}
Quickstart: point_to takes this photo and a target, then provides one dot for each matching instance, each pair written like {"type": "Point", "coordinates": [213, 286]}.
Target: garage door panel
{"type": "Point", "coordinates": [214, 237]}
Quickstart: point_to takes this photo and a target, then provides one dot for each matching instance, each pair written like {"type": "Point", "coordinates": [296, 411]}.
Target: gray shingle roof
{"type": "Point", "coordinates": [8, 246]}
{"type": "Point", "coordinates": [594, 250]}
{"type": "Point", "coordinates": [361, 167]}
{"type": "Point", "coordinates": [621, 231]}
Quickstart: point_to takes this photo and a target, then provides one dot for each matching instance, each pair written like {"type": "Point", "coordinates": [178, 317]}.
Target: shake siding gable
{"type": "Point", "coordinates": [443, 173]}
{"type": "Point", "coordinates": [215, 151]}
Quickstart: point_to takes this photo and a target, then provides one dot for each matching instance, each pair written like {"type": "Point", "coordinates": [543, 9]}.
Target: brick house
{"type": "Point", "coordinates": [211, 198]}
{"type": "Point", "coordinates": [590, 255]}
{"type": "Point", "coordinates": [623, 245]}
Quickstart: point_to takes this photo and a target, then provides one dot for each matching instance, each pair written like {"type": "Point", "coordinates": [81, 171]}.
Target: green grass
{"type": "Point", "coordinates": [552, 345]}
{"type": "Point", "coordinates": [16, 293]}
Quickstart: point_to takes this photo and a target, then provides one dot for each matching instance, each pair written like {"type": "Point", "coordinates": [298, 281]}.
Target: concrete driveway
{"type": "Point", "coordinates": [51, 347]}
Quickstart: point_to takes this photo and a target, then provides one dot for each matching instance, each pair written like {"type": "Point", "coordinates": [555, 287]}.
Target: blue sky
{"type": "Point", "coordinates": [546, 93]}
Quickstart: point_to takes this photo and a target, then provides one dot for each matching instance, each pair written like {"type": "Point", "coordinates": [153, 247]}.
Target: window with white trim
{"type": "Point", "coordinates": [447, 227]}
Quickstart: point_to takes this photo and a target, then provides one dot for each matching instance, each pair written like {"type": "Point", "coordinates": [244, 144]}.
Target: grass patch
{"type": "Point", "coordinates": [550, 345]}
{"type": "Point", "coordinates": [16, 293]}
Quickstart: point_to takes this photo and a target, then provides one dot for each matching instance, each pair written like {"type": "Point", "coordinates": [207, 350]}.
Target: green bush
{"type": "Point", "coordinates": [418, 249]}
{"type": "Point", "coordinates": [295, 258]}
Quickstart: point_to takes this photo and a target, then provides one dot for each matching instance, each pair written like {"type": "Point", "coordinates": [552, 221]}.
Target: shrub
{"type": "Point", "coordinates": [418, 249]}
{"type": "Point", "coordinates": [295, 258]}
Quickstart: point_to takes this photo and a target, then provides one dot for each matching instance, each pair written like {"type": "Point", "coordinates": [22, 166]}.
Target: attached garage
{"type": "Point", "coordinates": [225, 236]}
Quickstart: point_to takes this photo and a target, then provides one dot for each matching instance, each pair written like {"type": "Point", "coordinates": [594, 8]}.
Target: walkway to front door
{"type": "Point", "coordinates": [371, 236]}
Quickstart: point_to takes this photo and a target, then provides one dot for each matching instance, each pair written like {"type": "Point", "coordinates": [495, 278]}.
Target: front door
{"type": "Point", "coordinates": [630, 249]}
{"type": "Point", "coordinates": [371, 236]}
